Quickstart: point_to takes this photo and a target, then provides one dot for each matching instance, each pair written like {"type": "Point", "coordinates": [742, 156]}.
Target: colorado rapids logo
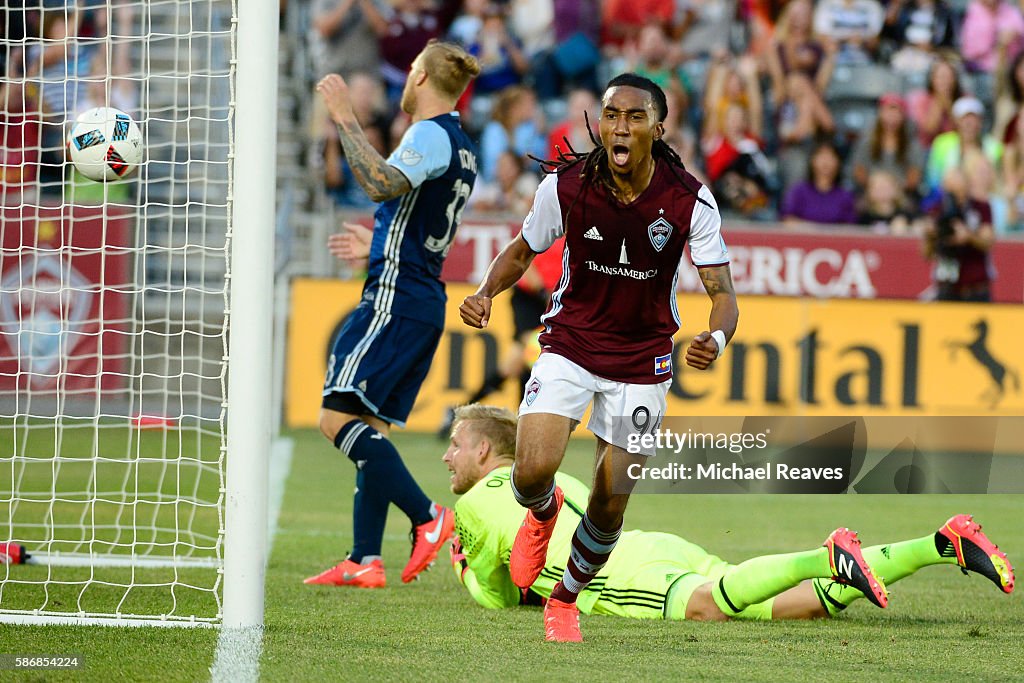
{"type": "Point", "coordinates": [659, 231]}
{"type": "Point", "coordinates": [48, 320]}
{"type": "Point", "coordinates": [532, 390]}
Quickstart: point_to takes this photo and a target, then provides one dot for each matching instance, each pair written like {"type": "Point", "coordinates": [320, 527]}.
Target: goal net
{"type": "Point", "coordinates": [113, 302]}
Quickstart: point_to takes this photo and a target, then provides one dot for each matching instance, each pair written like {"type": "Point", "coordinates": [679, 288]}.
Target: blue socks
{"type": "Point", "coordinates": [382, 478]}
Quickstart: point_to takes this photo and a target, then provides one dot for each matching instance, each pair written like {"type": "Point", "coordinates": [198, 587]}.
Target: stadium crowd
{"type": "Point", "coordinates": [835, 112]}
{"type": "Point", "coordinates": [902, 118]}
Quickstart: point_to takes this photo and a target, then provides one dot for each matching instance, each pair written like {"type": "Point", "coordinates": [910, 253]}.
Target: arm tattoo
{"type": "Point", "coordinates": [380, 180]}
{"type": "Point", "coordinates": [717, 280]}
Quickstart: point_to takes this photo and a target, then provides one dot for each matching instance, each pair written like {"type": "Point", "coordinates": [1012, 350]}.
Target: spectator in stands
{"type": "Point", "coordinates": [511, 192]}
{"type": "Point", "coordinates": [370, 107]}
{"type": "Point", "coordinates": [403, 30]}
{"type": "Point", "coordinates": [854, 25]}
{"type": "Point", "coordinates": [502, 62]}
{"type": "Point", "coordinates": [921, 29]}
{"type": "Point", "coordinates": [983, 186]}
{"type": "Point", "coordinates": [950, 149]}
{"type": "Point", "coordinates": [622, 20]}
{"type": "Point", "coordinates": [681, 138]}
{"type": "Point", "coordinates": [931, 109]}
{"type": "Point", "coordinates": [737, 167]}
{"type": "Point", "coordinates": [703, 26]}
{"type": "Point", "coordinates": [1009, 97]}
{"type": "Point", "coordinates": [532, 24]}
{"type": "Point", "coordinates": [466, 26]}
{"type": "Point", "coordinates": [794, 48]}
{"type": "Point", "coordinates": [581, 105]}
{"type": "Point", "coordinates": [575, 56]}
{"type": "Point", "coordinates": [891, 147]}
{"type": "Point", "coordinates": [821, 198]}
{"type": "Point", "coordinates": [927, 25]}
{"type": "Point", "coordinates": [915, 55]}
{"type": "Point", "coordinates": [884, 205]}
{"type": "Point", "coordinates": [959, 240]}
{"type": "Point", "coordinates": [990, 26]}
{"type": "Point", "coordinates": [732, 82]}
{"type": "Point", "coordinates": [514, 126]}
{"type": "Point", "coordinates": [115, 88]}
{"type": "Point", "coordinates": [56, 66]}
{"type": "Point", "coordinates": [802, 118]}
{"type": "Point", "coordinates": [1013, 174]}
{"type": "Point", "coordinates": [650, 59]}
{"type": "Point", "coordinates": [343, 41]}
{"type": "Point", "coordinates": [760, 18]}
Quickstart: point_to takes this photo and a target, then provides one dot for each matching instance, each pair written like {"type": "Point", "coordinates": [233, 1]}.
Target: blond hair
{"type": "Point", "coordinates": [497, 425]}
{"type": "Point", "coordinates": [449, 68]}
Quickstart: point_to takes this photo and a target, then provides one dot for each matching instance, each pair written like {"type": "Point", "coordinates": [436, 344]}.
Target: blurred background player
{"type": "Point", "coordinates": [384, 351]}
{"type": "Point", "coordinates": [529, 301]}
{"type": "Point", "coordinates": [627, 210]}
{"type": "Point", "coordinates": [655, 575]}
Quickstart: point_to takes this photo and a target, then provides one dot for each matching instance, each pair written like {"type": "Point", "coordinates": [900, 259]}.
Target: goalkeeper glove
{"type": "Point", "coordinates": [458, 558]}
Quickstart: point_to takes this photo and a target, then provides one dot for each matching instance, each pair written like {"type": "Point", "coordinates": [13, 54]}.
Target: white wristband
{"type": "Point", "coordinates": [719, 337]}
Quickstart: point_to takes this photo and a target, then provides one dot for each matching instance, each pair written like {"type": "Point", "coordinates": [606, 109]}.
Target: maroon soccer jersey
{"type": "Point", "coordinates": [614, 312]}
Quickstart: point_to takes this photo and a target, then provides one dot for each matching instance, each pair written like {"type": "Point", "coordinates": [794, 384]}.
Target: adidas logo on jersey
{"type": "Point", "coordinates": [593, 234]}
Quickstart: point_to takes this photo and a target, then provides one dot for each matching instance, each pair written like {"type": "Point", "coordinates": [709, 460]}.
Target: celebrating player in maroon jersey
{"type": "Point", "coordinates": [627, 210]}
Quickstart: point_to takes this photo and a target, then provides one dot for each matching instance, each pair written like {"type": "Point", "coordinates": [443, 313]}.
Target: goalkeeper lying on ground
{"type": "Point", "coordinates": [661, 576]}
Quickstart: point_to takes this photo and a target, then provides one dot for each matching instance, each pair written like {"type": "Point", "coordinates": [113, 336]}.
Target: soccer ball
{"type": "Point", "coordinates": [105, 144]}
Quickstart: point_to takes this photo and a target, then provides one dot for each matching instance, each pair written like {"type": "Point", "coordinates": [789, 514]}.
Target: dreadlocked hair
{"type": "Point", "coordinates": [595, 162]}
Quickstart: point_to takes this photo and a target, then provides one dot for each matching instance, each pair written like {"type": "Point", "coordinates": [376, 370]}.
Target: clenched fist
{"type": "Point", "coordinates": [476, 310]}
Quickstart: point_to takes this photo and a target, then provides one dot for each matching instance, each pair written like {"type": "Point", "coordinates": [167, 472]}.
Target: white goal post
{"type": "Point", "coordinates": [134, 430]}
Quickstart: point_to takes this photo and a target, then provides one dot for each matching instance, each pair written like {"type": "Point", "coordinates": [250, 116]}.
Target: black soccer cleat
{"type": "Point", "coordinates": [961, 537]}
{"type": "Point", "coordinates": [851, 569]}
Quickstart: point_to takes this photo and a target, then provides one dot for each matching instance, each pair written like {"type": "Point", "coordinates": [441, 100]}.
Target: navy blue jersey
{"type": "Point", "coordinates": [412, 233]}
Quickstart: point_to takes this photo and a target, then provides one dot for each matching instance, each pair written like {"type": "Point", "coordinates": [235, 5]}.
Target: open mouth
{"type": "Point", "coordinates": [620, 154]}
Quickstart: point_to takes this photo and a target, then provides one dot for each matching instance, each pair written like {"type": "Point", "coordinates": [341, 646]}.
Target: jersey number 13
{"type": "Point", "coordinates": [453, 211]}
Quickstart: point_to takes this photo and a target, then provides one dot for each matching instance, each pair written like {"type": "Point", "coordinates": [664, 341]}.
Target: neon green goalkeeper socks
{"type": "Point", "coordinates": [890, 562]}
{"type": "Point", "coordinates": [760, 578]}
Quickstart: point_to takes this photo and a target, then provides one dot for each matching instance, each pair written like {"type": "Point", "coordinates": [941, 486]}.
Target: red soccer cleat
{"type": "Point", "coordinates": [962, 537]}
{"type": "Point", "coordinates": [562, 622]}
{"type": "Point", "coordinates": [530, 549]}
{"type": "Point", "coordinates": [349, 573]}
{"type": "Point", "coordinates": [851, 569]}
{"type": "Point", "coordinates": [427, 540]}
{"type": "Point", "coordinates": [13, 553]}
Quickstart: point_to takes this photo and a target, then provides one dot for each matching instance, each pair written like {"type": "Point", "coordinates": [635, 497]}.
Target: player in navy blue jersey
{"type": "Point", "coordinates": [384, 351]}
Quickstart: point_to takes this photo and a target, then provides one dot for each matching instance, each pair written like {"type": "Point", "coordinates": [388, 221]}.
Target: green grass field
{"type": "Point", "coordinates": [940, 625]}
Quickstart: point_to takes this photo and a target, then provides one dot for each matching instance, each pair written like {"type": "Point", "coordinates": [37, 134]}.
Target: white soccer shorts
{"type": "Point", "coordinates": [560, 387]}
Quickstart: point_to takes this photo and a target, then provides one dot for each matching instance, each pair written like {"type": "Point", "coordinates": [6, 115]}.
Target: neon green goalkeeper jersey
{"type": "Point", "coordinates": [641, 577]}
{"type": "Point", "coordinates": [487, 519]}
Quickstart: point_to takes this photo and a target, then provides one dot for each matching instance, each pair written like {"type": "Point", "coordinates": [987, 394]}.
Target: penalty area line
{"type": "Point", "coordinates": [237, 659]}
